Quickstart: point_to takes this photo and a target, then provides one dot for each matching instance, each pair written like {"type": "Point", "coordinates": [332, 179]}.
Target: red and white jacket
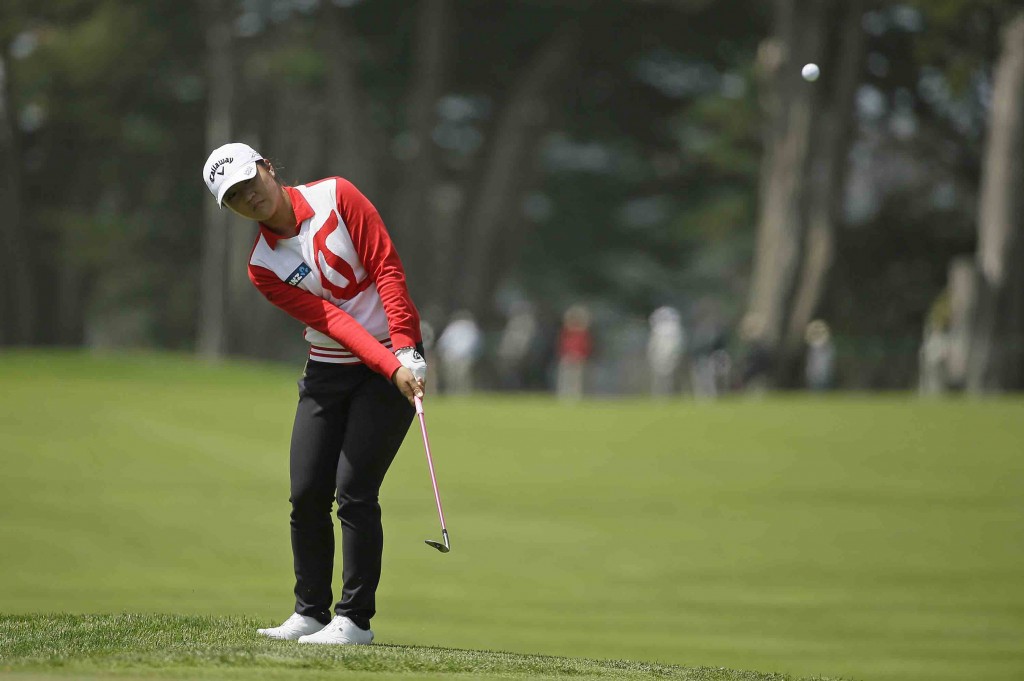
{"type": "Point", "coordinates": [340, 275]}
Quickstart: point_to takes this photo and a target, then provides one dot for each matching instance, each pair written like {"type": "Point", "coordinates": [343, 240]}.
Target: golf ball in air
{"type": "Point", "coordinates": [810, 72]}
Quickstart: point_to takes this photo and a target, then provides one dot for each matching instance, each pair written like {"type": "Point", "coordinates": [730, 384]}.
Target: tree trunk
{"type": "Point", "coordinates": [995, 361]}
{"type": "Point", "coordinates": [297, 132]}
{"type": "Point", "coordinates": [444, 210]}
{"type": "Point", "coordinates": [516, 138]}
{"type": "Point", "coordinates": [789, 104]}
{"type": "Point", "coordinates": [828, 174]}
{"type": "Point", "coordinates": [431, 65]}
{"type": "Point", "coordinates": [17, 297]}
{"type": "Point", "coordinates": [354, 143]}
{"type": "Point", "coordinates": [256, 328]}
{"type": "Point", "coordinates": [293, 134]}
{"type": "Point", "coordinates": [212, 332]}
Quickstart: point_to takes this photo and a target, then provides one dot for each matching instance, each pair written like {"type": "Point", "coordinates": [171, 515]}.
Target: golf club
{"type": "Point", "coordinates": [445, 547]}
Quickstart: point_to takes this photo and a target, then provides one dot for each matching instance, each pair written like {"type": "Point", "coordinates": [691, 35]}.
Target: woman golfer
{"type": "Point", "coordinates": [323, 256]}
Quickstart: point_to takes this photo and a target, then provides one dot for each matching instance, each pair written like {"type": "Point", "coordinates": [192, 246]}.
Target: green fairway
{"type": "Point", "coordinates": [862, 537]}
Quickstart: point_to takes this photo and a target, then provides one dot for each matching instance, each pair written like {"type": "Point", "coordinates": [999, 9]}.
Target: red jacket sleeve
{"type": "Point", "coordinates": [326, 318]}
{"type": "Point", "coordinates": [379, 257]}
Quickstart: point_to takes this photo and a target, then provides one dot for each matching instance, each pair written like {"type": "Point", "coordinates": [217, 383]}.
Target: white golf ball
{"type": "Point", "coordinates": [810, 72]}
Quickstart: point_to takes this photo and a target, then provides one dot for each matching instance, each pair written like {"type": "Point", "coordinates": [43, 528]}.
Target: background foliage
{"type": "Point", "coordinates": [623, 171]}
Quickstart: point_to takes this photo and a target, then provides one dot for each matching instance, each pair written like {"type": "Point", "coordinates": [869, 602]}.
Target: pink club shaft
{"type": "Point", "coordinates": [443, 548]}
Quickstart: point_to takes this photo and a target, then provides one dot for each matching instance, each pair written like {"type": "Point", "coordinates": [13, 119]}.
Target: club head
{"type": "Point", "coordinates": [443, 548]}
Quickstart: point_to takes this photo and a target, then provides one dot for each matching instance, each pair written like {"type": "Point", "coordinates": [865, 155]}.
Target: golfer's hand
{"type": "Point", "coordinates": [412, 360]}
{"type": "Point", "coordinates": [407, 384]}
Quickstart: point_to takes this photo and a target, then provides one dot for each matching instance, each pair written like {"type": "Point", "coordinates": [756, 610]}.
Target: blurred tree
{"type": "Point", "coordinates": [827, 172]}
{"type": "Point", "coordinates": [95, 95]}
{"type": "Point", "coordinates": [806, 142]}
{"type": "Point", "coordinates": [551, 149]}
{"type": "Point", "coordinates": [477, 111]}
{"type": "Point", "coordinates": [17, 295]}
{"type": "Point", "coordinates": [644, 192]}
{"type": "Point", "coordinates": [996, 360]}
{"type": "Point", "coordinates": [220, 72]}
{"type": "Point", "coordinates": [922, 108]}
{"type": "Point", "coordinates": [515, 142]}
{"type": "Point", "coordinates": [354, 140]}
{"type": "Point", "coordinates": [433, 49]}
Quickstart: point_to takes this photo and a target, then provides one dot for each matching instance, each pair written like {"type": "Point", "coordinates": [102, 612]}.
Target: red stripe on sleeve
{"type": "Point", "coordinates": [326, 318]}
{"type": "Point", "coordinates": [380, 259]}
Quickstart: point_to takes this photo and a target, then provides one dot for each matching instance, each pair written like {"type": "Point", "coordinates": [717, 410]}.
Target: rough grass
{"type": "Point", "coordinates": [867, 537]}
{"type": "Point", "coordinates": [146, 646]}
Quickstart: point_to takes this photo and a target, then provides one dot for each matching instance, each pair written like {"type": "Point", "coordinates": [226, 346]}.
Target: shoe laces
{"type": "Point", "coordinates": [336, 624]}
{"type": "Point", "coordinates": [296, 619]}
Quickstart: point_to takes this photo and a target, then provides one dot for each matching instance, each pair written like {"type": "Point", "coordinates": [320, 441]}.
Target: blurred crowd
{"type": "Point", "coordinates": [580, 351]}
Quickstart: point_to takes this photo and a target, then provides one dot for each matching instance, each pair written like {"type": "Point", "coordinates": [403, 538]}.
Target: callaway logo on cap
{"type": "Point", "coordinates": [228, 165]}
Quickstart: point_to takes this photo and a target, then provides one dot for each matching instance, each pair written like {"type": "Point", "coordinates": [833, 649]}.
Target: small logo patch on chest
{"type": "Point", "coordinates": [298, 275]}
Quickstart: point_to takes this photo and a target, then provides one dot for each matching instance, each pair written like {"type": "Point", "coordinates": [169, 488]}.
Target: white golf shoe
{"type": "Point", "coordinates": [341, 631]}
{"type": "Point", "coordinates": [293, 628]}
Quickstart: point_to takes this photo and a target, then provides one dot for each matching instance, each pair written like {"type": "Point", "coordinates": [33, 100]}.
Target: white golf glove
{"type": "Point", "coordinates": [412, 360]}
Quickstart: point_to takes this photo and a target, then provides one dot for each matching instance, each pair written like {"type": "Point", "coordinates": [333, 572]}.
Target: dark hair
{"type": "Point", "coordinates": [266, 163]}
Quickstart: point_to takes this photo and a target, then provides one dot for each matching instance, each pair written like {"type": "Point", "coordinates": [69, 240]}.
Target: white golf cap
{"type": "Point", "coordinates": [228, 165]}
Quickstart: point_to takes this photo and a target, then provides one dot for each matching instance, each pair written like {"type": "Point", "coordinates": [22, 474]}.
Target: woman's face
{"type": "Point", "coordinates": [255, 198]}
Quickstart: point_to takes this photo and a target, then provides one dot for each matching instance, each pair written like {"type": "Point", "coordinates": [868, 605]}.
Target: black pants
{"type": "Point", "coordinates": [349, 424]}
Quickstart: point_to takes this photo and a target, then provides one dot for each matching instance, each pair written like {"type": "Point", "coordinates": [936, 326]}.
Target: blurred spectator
{"type": "Point", "coordinates": [819, 370]}
{"type": "Point", "coordinates": [427, 332]}
{"type": "Point", "coordinates": [458, 348]}
{"type": "Point", "coordinates": [516, 347]}
{"type": "Point", "coordinates": [933, 357]}
{"type": "Point", "coordinates": [665, 347]}
{"type": "Point", "coordinates": [711, 362]}
{"type": "Point", "coordinates": [575, 346]}
{"type": "Point", "coordinates": [721, 370]}
{"type": "Point", "coordinates": [757, 359]}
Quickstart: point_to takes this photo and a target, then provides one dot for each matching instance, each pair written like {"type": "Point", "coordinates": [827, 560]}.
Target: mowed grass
{"type": "Point", "coordinates": [188, 647]}
{"type": "Point", "coordinates": [852, 536]}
